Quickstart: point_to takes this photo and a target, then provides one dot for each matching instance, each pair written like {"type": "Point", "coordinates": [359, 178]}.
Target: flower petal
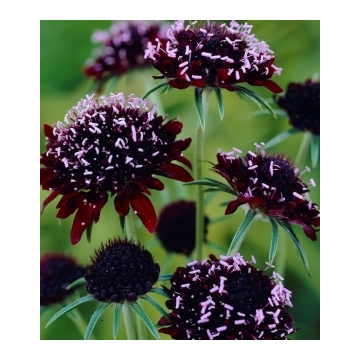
{"type": "Point", "coordinates": [81, 222]}
{"type": "Point", "coordinates": [49, 199]}
{"type": "Point", "coordinates": [121, 203]}
{"type": "Point", "coordinates": [176, 172]}
{"type": "Point", "coordinates": [144, 209]}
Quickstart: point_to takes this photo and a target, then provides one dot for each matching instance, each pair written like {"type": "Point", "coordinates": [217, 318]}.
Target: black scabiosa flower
{"type": "Point", "coordinates": [212, 55]}
{"type": "Point", "coordinates": [121, 48]}
{"type": "Point", "coordinates": [176, 227]}
{"type": "Point", "coordinates": [110, 146]}
{"type": "Point", "coordinates": [301, 102]}
{"type": "Point", "coordinates": [269, 185]}
{"type": "Point", "coordinates": [57, 271]}
{"type": "Point", "coordinates": [121, 270]}
{"type": "Point", "coordinates": [226, 299]}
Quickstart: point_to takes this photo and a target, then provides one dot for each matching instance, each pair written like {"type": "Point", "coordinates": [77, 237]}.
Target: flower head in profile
{"type": "Point", "coordinates": [227, 299]}
{"type": "Point", "coordinates": [110, 146]}
{"type": "Point", "coordinates": [121, 270]}
{"type": "Point", "coordinates": [213, 55]}
{"type": "Point", "coordinates": [270, 185]}
{"type": "Point", "coordinates": [301, 101]}
{"type": "Point", "coordinates": [121, 48]}
{"type": "Point", "coordinates": [57, 271]}
{"type": "Point", "coordinates": [176, 227]}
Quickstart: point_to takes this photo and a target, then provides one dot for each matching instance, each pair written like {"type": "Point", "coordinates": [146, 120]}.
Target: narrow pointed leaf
{"type": "Point", "coordinates": [154, 89]}
{"type": "Point", "coordinates": [122, 224]}
{"type": "Point", "coordinates": [80, 281]}
{"type": "Point", "coordinates": [240, 233]}
{"type": "Point", "coordinates": [164, 277]}
{"type": "Point", "coordinates": [117, 313]}
{"type": "Point", "coordinates": [315, 150]}
{"type": "Point", "coordinates": [274, 240]}
{"type": "Point", "coordinates": [254, 97]}
{"type": "Point", "coordinates": [215, 185]}
{"type": "Point", "coordinates": [278, 113]}
{"type": "Point", "coordinates": [280, 137]}
{"type": "Point", "coordinates": [156, 305]}
{"type": "Point", "coordinates": [88, 232]}
{"type": "Point", "coordinates": [160, 291]}
{"type": "Point", "coordinates": [219, 102]}
{"type": "Point", "coordinates": [94, 319]}
{"type": "Point", "coordinates": [288, 229]}
{"type": "Point", "coordinates": [199, 106]}
{"type": "Point", "coordinates": [139, 310]}
{"type": "Point", "coordinates": [69, 308]}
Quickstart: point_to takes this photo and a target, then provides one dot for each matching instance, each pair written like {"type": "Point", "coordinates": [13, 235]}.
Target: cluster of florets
{"type": "Point", "coordinates": [121, 270]}
{"type": "Point", "coordinates": [213, 55]}
{"type": "Point", "coordinates": [176, 227]}
{"type": "Point", "coordinates": [114, 146]}
{"type": "Point", "coordinates": [122, 48]}
{"type": "Point", "coordinates": [270, 185]}
{"type": "Point", "coordinates": [226, 299]}
{"type": "Point", "coordinates": [301, 101]}
{"type": "Point", "coordinates": [57, 271]}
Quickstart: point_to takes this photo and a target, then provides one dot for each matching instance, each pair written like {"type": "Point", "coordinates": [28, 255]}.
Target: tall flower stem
{"type": "Point", "coordinates": [129, 322]}
{"type": "Point", "coordinates": [199, 150]}
{"type": "Point", "coordinates": [303, 150]}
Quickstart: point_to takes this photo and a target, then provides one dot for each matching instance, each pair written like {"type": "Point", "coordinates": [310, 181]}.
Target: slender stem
{"type": "Point", "coordinates": [129, 322]}
{"type": "Point", "coordinates": [303, 150]}
{"type": "Point", "coordinates": [199, 149]}
{"type": "Point", "coordinates": [79, 322]}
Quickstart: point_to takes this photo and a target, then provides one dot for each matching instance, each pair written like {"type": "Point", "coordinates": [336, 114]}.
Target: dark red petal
{"type": "Point", "coordinates": [99, 205]}
{"type": "Point", "coordinates": [183, 144]}
{"type": "Point", "coordinates": [232, 207]}
{"type": "Point", "coordinates": [177, 84]}
{"type": "Point", "coordinates": [68, 205]}
{"type": "Point", "coordinates": [81, 222]}
{"type": "Point", "coordinates": [144, 209]}
{"type": "Point", "coordinates": [49, 199]}
{"type": "Point", "coordinates": [174, 127]}
{"type": "Point", "coordinates": [310, 232]}
{"type": "Point", "coordinates": [153, 183]}
{"type": "Point", "coordinates": [176, 172]}
{"type": "Point", "coordinates": [121, 203]}
{"type": "Point", "coordinates": [185, 161]}
{"type": "Point", "coordinates": [48, 131]}
{"type": "Point", "coordinates": [275, 88]}
{"type": "Point", "coordinates": [158, 77]}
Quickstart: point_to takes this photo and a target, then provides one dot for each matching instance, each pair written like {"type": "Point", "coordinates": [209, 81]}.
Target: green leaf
{"type": "Point", "coordinates": [154, 89]}
{"type": "Point", "coordinates": [68, 308]}
{"type": "Point", "coordinates": [216, 185]}
{"type": "Point", "coordinates": [88, 232]}
{"type": "Point", "coordinates": [199, 106]}
{"type": "Point", "coordinates": [289, 230]}
{"type": "Point", "coordinates": [139, 310]}
{"type": "Point", "coordinates": [274, 240]}
{"type": "Point", "coordinates": [160, 291]}
{"type": "Point", "coordinates": [240, 233]}
{"type": "Point", "coordinates": [278, 113]}
{"type": "Point", "coordinates": [156, 305]}
{"type": "Point", "coordinates": [280, 137]}
{"type": "Point", "coordinates": [94, 319]}
{"type": "Point", "coordinates": [122, 224]}
{"type": "Point", "coordinates": [315, 150]}
{"type": "Point", "coordinates": [164, 277]}
{"type": "Point", "coordinates": [80, 281]}
{"type": "Point", "coordinates": [219, 101]}
{"type": "Point", "coordinates": [117, 313]}
{"type": "Point", "coordinates": [254, 97]}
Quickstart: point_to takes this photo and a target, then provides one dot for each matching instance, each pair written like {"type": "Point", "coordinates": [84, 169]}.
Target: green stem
{"type": "Point", "coordinates": [129, 322]}
{"type": "Point", "coordinates": [78, 321]}
{"type": "Point", "coordinates": [199, 150]}
{"type": "Point", "coordinates": [280, 264]}
{"type": "Point", "coordinates": [303, 150]}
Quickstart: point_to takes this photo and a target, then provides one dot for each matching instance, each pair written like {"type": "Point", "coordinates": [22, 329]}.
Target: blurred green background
{"type": "Point", "coordinates": [65, 46]}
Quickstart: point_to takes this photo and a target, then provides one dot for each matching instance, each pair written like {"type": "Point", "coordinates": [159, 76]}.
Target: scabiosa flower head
{"type": "Point", "coordinates": [301, 101]}
{"type": "Point", "coordinates": [122, 48]}
{"type": "Point", "coordinates": [270, 185]}
{"type": "Point", "coordinates": [227, 299]}
{"type": "Point", "coordinates": [213, 55]}
{"type": "Point", "coordinates": [57, 271]}
{"type": "Point", "coordinates": [110, 146]}
{"type": "Point", "coordinates": [176, 227]}
{"type": "Point", "coordinates": [121, 270]}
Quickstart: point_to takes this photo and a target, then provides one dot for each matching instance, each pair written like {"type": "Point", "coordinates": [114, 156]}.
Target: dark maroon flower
{"type": "Point", "coordinates": [121, 270]}
{"type": "Point", "coordinates": [226, 299]}
{"type": "Point", "coordinates": [176, 227]}
{"type": "Point", "coordinates": [301, 101]}
{"type": "Point", "coordinates": [122, 48]}
{"type": "Point", "coordinates": [110, 146]}
{"type": "Point", "coordinates": [57, 271]}
{"type": "Point", "coordinates": [270, 185]}
{"type": "Point", "coordinates": [213, 55]}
